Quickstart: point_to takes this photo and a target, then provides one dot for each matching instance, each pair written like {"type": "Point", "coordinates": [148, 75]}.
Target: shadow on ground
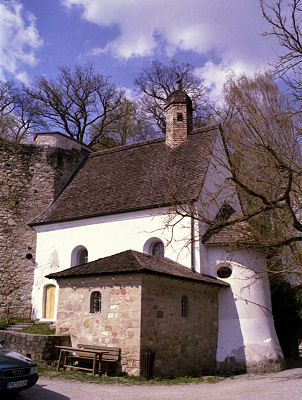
{"type": "Point", "coordinates": [37, 392]}
{"type": "Point", "coordinates": [292, 372]}
{"type": "Point", "coordinates": [294, 363]}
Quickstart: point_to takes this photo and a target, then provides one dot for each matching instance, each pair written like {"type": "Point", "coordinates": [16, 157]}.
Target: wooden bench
{"type": "Point", "coordinates": [83, 355]}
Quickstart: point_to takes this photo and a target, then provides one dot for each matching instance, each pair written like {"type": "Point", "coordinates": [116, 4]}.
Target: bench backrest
{"type": "Point", "coordinates": [110, 353]}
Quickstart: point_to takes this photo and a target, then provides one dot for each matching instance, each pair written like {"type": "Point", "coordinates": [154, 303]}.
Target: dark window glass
{"type": "Point", "coordinates": [180, 117]}
{"type": "Point", "coordinates": [82, 256]}
{"type": "Point", "coordinates": [225, 212]}
{"type": "Point", "coordinates": [95, 302]}
{"type": "Point", "coordinates": [157, 249]}
{"type": "Point", "coordinates": [184, 306]}
{"type": "Point", "coordinates": [224, 272]}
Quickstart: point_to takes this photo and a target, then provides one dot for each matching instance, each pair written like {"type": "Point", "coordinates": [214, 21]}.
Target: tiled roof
{"type": "Point", "coordinates": [131, 261]}
{"type": "Point", "coordinates": [132, 177]}
{"type": "Point", "coordinates": [240, 234]}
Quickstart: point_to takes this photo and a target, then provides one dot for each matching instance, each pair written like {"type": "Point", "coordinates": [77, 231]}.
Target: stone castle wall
{"type": "Point", "coordinates": [30, 177]}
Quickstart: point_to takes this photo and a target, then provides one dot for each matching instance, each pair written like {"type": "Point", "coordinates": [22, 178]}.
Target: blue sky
{"type": "Point", "coordinates": [120, 37]}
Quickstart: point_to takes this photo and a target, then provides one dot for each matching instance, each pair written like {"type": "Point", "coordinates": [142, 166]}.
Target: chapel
{"type": "Point", "coordinates": [121, 259]}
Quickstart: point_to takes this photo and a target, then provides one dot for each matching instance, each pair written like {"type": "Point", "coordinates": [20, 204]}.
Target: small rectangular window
{"type": "Point", "coordinates": [180, 117]}
{"type": "Point", "coordinates": [184, 306]}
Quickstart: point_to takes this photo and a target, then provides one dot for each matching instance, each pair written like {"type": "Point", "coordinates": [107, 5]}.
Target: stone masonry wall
{"type": "Point", "coordinates": [176, 131]}
{"type": "Point", "coordinates": [182, 345]}
{"type": "Point", "coordinates": [40, 347]}
{"type": "Point", "coordinates": [143, 312]}
{"type": "Point", "coordinates": [30, 178]}
{"type": "Point", "coordinates": [118, 324]}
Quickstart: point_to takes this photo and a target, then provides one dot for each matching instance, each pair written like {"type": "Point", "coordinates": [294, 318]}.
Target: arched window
{"type": "Point", "coordinates": [79, 255]}
{"type": "Point", "coordinates": [82, 256]}
{"type": "Point", "coordinates": [157, 249]}
{"type": "Point", "coordinates": [95, 302]}
{"type": "Point", "coordinates": [154, 247]}
{"type": "Point", "coordinates": [184, 306]}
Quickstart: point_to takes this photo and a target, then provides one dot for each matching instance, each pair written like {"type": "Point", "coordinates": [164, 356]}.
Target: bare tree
{"type": "Point", "coordinates": [260, 141]}
{"type": "Point", "coordinates": [7, 96]}
{"type": "Point", "coordinates": [76, 100]}
{"type": "Point", "coordinates": [18, 113]}
{"type": "Point", "coordinates": [159, 81]}
{"type": "Point", "coordinates": [284, 19]}
{"type": "Point", "coordinates": [261, 135]}
{"type": "Point", "coordinates": [129, 126]}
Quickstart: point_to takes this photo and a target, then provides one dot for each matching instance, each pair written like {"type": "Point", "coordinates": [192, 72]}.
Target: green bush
{"type": "Point", "coordinates": [3, 323]}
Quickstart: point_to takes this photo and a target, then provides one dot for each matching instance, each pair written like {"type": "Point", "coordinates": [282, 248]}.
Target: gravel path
{"type": "Point", "coordinates": [283, 385]}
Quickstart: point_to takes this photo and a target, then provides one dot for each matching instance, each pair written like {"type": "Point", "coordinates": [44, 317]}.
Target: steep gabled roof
{"type": "Point", "coordinates": [141, 176]}
{"type": "Point", "coordinates": [239, 234]}
{"type": "Point", "coordinates": [131, 261]}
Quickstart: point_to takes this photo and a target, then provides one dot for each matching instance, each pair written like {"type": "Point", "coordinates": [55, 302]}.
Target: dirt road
{"type": "Point", "coordinates": [280, 386]}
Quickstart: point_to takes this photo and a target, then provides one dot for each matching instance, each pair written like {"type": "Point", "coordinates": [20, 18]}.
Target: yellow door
{"type": "Point", "coordinates": [49, 306]}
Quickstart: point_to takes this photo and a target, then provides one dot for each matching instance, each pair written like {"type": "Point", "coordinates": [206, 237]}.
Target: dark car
{"type": "Point", "coordinates": [17, 372]}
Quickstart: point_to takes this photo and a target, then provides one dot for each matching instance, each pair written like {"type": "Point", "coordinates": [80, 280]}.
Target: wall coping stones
{"type": "Point", "coordinates": [40, 347]}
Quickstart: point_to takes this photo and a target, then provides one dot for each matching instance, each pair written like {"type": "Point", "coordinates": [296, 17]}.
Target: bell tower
{"type": "Point", "coordinates": [178, 117]}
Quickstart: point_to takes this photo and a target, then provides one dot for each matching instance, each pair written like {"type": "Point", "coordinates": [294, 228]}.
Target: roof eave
{"type": "Point", "coordinates": [123, 211]}
{"type": "Point", "coordinates": [143, 270]}
{"type": "Point", "coordinates": [234, 245]}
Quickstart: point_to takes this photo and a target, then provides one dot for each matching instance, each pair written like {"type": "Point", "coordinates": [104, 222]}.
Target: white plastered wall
{"type": "Point", "coordinates": [104, 236]}
{"type": "Point", "coordinates": [246, 332]}
{"type": "Point", "coordinates": [246, 336]}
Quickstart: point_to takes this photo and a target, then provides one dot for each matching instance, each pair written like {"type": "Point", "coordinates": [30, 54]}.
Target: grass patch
{"type": "Point", "coordinates": [3, 323]}
{"type": "Point", "coordinates": [39, 329]}
{"type": "Point", "coordinates": [49, 371]}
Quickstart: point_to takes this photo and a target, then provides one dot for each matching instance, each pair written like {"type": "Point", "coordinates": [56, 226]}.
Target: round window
{"type": "Point", "coordinates": [224, 271]}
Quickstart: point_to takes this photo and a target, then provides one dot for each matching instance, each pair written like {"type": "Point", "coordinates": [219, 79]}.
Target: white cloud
{"type": "Point", "coordinates": [23, 77]}
{"type": "Point", "coordinates": [215, 75]}
{"type": "Point", "coordinates": [129, 93]}
{"type": "Point", "coordinates": [19, 39]}
{"type": "Point", "coordinates": [228, 31]}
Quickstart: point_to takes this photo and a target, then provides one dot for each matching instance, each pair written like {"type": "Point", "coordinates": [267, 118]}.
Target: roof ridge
{"type": "Point", "coordinates": [139, 254]}
{"type": "Point", "coordinates": [204, 128]}
{"type": "Point", "coordinates": [195, 131]}
{"type": "Point", "coordinates": [136, 255]}
{"type": "Point", "coordinates": [119, 264]}
{"type": "Point", "coordinates": [127, 147]}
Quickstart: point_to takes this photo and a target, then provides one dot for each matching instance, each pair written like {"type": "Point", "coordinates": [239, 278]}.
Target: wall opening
{"type": "Point", "coordinates": [184, 306]}
{"type": "Point", "coordinates": [49, 301]}
{"type": "Point", "coordinates": [95, 302]}
{"type": "Point", "coordinates": [154, 247]}
{"type": "Point", "coordinates": [79, 255]}
{"type": "Point", "coordinates": [224, 271]}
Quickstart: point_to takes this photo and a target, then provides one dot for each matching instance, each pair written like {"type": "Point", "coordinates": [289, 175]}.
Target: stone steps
{"type": "Point", "coordinates": [19, 326]}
